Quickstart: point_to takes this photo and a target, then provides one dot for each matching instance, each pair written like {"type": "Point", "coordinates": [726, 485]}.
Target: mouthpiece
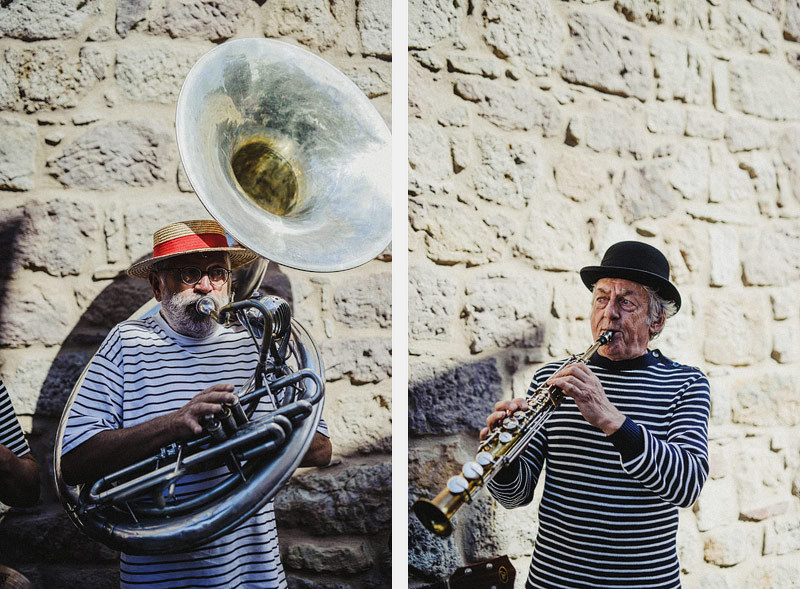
{"type": "Point", "coordinates": [603, 339]}
{"type": "Point", "coordinates": [207, 306]}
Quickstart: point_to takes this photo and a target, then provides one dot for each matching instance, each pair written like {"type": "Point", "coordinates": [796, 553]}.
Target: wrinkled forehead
{"type": "Point", "coordinates": [201, 260]}
{"type": "Point", "coordinates": [618, 286]}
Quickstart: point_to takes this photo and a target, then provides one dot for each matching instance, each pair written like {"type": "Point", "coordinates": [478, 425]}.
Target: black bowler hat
{"type": "Point", "coordinates": [637, 262]}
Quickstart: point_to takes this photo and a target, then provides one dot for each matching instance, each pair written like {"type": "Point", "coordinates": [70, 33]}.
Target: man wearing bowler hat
{"type": "Point", "coordinates": [153, 381]}
{"type": "Point", "coordinates": [625, 449]}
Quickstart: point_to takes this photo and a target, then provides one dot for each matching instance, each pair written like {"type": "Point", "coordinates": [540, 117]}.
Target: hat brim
{"type": "Point", "coordinates": [239, 257]}
{"type": "Point", "coordinates": [591, 274]}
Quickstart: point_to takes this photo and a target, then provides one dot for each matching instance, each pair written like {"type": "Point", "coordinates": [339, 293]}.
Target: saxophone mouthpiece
{"type": "Point", "coordinates": [604, 338]}
{"type": "Point", "coordinates": [207, 306]}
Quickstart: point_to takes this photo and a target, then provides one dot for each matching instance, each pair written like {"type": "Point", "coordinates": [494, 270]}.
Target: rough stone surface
{"type": "Point", "coordinates": [431, 21]}
{"type": "Point", "coordinates": [47, 77]}
{"type": "Point", "coordinates": [428, 158]}
{"type": "Point", "coordinates": [645, 192]}
{"type": "Point", "coordinates": [752, 30]}
{"type": "Point", "coordinates": [364, 360]}
{"type": "Point", "coordinates": [782, 535]}
{"type": "Point", "coordinates": [153, 74]}
{"type": "Point", "coordinates": [17, 154]}
{"type": "Point", "coordinates": [765, 90]}
{"type": "Point", "coordinates": [782, 246]}
{"type": "Point", "coordinates": [360, 423]}
{"type": "Point", "coordinates": [432, 304]}
{"type": "Point", "coordinates": [507, 173]}
{"type": "Point", "coordinates": [682, 71]}
{"type": "Point", "coordinates": [608, 128]}
{"type": "Point", "coordinates": [768, 400]}
{"type": "Point", "coordinates": [374, 21]}
{"type": "Point", "coordinates": [124, 153]}
{"type": "Point", "coordinates": [530, 31]}
{"type": "Point", "coordinates": [36, 20]}
{"type": "Point", "coordinates": [607, 56]}
{"type": "Point", "coordinates": [340, 558]}
{"type": "Point", "coordinates": [366, 303]}
{"type": "Point", "coordinates": [213, 20]}
{"type": "Point", "coordinates": [735, 330]}
{"type": "Point", "coordinates": [129, 14]}
{"type": "Point", "coordinates": [727, 546]}
{"type": "Point", "coordinates": [725, 262]}
{"type": "Point", "coordinates": [351, 501]}
{"type": "Point", "coordinates": [452, 400]}
{"type": "Point", "coordinates": [42, 387]}
{"type": "Point", "coordinates": [311, 23]}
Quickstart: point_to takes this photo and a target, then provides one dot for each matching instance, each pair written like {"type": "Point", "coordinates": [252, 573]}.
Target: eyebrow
{"type": "Point", "coordinates": [624, 292]}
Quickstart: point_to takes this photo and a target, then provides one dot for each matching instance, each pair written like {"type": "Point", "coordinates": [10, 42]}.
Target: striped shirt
{"type": "Point", "coordinates": [11, 435]}
{"type": "Point", "coordinates": [608, 516]}
{"type": "Point", "coordinates": [145, 369]}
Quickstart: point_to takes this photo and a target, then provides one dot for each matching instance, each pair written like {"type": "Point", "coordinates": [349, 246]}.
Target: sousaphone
{"type": "Point", "coordinates": [292, 159]}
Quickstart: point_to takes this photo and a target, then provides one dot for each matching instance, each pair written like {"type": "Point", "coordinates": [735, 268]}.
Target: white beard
{"type": "Point", "coordinates": [181, 314]}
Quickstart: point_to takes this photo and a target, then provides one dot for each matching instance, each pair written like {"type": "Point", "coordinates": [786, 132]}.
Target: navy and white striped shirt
{"type": "Point", "coordinates": [608, 516]}
{"type": "Point", "coordinates": [11, 435]}
{"type": "Point", "coordinates": [145, 369]}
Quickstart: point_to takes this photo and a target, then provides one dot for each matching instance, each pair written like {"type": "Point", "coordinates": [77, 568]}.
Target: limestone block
{"type": "Point", "coordinates": [215, 20]}
{"type": "Point", "coordinates": [432, 304]}
{"type": "Point", "coordinates": [727, 181]}
{"type": "Point", "coordinates": [119, 153]}
{"type": "Point", "coordinates": [366, 302]}
{"type": "Point", "coordinates": [153, 74]}
{"type": "Point", "coordinates": [17, 154]}
{"type": "Point", "coordinates": [689, 543]}
{"type": "Point", "coordinates": [512, 108]}
{"type": "Point", "coordinates": [581, 176]}
{"type": "Point", "coordinates": [446, 241]}
{"type": "Point", "coordinates": [717, 504]}
{"type": "Point", "coordinates": [784, 304]}
{"type": "Point", "coordinates": [452, 399]}
{"type": "Point", "coordinates": [608, 56]}
{"type": "Point", "coordinates": [782, 534]}
{"type": "Point", "coordinates": [729, 545]}
{"type": "Point", "coordinates": [432, 21]}
{"type": "Point", "coordinates": [786, 342]}
{"type": "Point", "coordinates": [705, 124]}
{"type": "Point", "coordinates": [529, 30]}
{"type": "Point", "coordinates": [726, 266]}
{"type": "Point", "coordinates": [769, 400]}
{"type": "Point", "coordinates": [788, 145]}
{"type": "Point", "coordinates": [642, 11]}
{"type": "Point", "coordinates": [309, 22]}
{"type": "Point", "coordinates": [473, 64]}
{"type": "Point", "coordinates": [508, 173]}
{"type": "Point", "coordinates": [362, 360]}
{"type": "Point", "coordinates": [36, 20]}
{"type": "Point", "coordinates": [429, 160]}
{"type": "Point", "coordinates": [356, 500]}
{"type": "Point", "coordinates": [744, 134]}
{"type": "Point", "coordinates": [607, 128]}
{"type": "Point", "coordinates": [689, 173]}
{"type": "Point", "coordinates": [360, 421]}
{"type": "Point", "coordinates": [765, 89]}
{"type": "Point", "coordinates": [751, 29]}
{"type": "Point", "coordinates": [42, 386]}
{"type": "Point", "coordinates": [490, 529]}
{"type": "Point", "coordinates": [46, 76]}
{"type": "Point", "coordinates": [759, 166]}
{"type": "Point", "coordinates": [129, 14]}
{"type": "Point", "coordinates": [505, 311]}
{"type": "Point", "coordinates": [645, 192]}
{"type": "Point", "coordinates": [374, 80]}
{"type": "Point", "coordinates": [51, 536]}
{"type": "Point", "coordinates": [666, 118]}
{"type": "Point", "coordinates": [429, 467]}
{"type": "Point", "coordinates": [38, 313]}
{"type": "Point", "coordinates": [347, 557]}
{"type": "Point", "coordinates": [761, 481]}
{"type": "Point", "coordinates": [720, 86]}
{"type": "Point", "coordinates": [431, 555]}
{"type": "Point", "coordinates": [54, 236]}
{"type": "Point", "coordinates": [546, 227]}
{"type": "Point", "coordinates": [736, 329]}
{"type": "Point", "coordinates": [374, 22]}
{"type": "Point", "coordinates": [771, 258]}
{"type": "Point", "coordinates": [774, 574]}
{"type": "Point", "coordinates": [682, 70]}
{"type": "Point", "coordinates": [791, 25]}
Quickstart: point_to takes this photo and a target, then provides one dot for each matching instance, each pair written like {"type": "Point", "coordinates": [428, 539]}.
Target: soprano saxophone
{"type": "Point", "coordinates": [501, 447]}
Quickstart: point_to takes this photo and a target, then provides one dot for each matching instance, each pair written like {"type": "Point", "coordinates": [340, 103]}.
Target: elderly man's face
{"type": "Point", "coordinates": [178, 300]}
{"type": "Point", "coordinates": [621, 306]}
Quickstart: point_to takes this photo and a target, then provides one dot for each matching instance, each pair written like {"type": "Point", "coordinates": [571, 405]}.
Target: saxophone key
{"type": "Point", "coordinates": [472, 471]}
{"type": "Point", "coordinates": [457, 485]}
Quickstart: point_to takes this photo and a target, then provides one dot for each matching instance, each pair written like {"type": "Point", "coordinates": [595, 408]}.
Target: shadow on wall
{"type": "Point", "coordinates": [42, 543]}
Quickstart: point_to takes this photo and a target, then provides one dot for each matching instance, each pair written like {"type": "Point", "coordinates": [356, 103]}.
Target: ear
{"type": "Point", "coordinates": [155, 284]}
{"type": "Point", "coordinates": [658, 324]}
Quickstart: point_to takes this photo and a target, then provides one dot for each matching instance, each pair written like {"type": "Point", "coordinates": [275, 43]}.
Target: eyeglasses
{"type": "Point", "coordinates": [191, 275]}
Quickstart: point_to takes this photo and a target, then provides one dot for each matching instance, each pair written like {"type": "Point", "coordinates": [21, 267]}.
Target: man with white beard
{"type": "Point", "coordinates": [141, 393]}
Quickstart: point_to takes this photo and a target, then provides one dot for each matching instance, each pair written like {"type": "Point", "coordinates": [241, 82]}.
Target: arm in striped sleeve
{"type": "Point", "coordinates": [675, 469]}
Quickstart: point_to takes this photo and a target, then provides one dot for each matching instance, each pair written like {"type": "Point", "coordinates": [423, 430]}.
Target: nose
{"type": "Point", "coordinates": [611, 310]}
{"type": "Point", "coordinates": [204, 285]}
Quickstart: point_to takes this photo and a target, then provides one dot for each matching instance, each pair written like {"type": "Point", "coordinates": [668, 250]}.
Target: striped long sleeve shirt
{"type": "Point", "coordinates": [11, 435]}
{"type": "Point", "coordinates": [608, 516]}
{"type": "Point", "coordinates": [145, 369]}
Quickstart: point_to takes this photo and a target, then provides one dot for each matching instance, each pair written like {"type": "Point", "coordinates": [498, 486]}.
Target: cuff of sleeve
{"type": "Point", "coordinates": [628, 440]}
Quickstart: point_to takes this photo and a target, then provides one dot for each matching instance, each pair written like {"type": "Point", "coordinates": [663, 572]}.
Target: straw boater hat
{"type": "Point", "coordinates": [637, 262]}
{"type": "Point", "coordinates": [190, 237]}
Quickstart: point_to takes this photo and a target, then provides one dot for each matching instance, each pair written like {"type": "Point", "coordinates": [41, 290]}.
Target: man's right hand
{"type": "Point", "coordinates": [502, 409]}
{"type": "Point", "coordinates": [187, 421]}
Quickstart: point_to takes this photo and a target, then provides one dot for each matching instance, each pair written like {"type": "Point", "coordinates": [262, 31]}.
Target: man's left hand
{"type": "Point", "coordinates": [581, 384]}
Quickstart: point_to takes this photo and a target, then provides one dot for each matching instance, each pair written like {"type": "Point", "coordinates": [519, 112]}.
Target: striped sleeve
{"type": "Point", "coordinates": [11, 435]}
{"type": "Point", "coordinates": [675, 469]}
{"type": "Point", "coordinates": [98, 404]}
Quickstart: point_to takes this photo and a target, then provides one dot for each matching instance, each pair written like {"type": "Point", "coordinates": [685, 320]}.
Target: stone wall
{"type": "Point", "coordinates": [88, 170]}
{"type": "Point", "coordinates": [541, 132]}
